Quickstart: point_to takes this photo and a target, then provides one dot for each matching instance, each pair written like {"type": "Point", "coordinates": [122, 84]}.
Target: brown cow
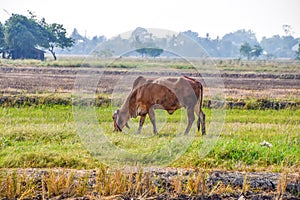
{"type": "Point", "coordinates": [168, 94]}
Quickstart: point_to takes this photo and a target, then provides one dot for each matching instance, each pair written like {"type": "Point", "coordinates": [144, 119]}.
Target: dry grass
{"type": "Point", "coordinates": [101, 183]}
{"type": "Point", "coordinates": [104, 183]}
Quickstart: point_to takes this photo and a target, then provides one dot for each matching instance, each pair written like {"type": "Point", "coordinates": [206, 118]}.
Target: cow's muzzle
{"type": "Point", "coordinates": [118, 128]}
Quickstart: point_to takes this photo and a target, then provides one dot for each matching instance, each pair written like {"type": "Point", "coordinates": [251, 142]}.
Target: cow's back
{"type": "Point", "coordinates": [186, 89]}
{"type": "Point", "coordinates": [159, 96]}
{"type": "Point", "coordinates": [140, 81]}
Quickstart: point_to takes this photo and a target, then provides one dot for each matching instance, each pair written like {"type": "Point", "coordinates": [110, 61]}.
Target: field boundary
{"type": "Point", "coordinates": [99, 101]}
{"type": "Point", "coordinates": [122, 71]}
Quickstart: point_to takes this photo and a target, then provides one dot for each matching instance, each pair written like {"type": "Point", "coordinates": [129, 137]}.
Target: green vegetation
{"type": "Point", "coordinates": [278, 67]}
{"type": "Point", "coordinates": [298, 52]}
{"type": "Point", "coordinates": [245, 50]}
{"type": "Point", "coordinates": [250, 52]}
{"type": "Point", "coordinates": [152, 52]}
{"type": "Point", "coordinates": [66, 99]}
{"type": "Point", "coordinates": [25, 33]}
{"type": "Point", "coordinates": [220, 47]}
{"type": "Point", "coordinates": [21, 35]}
{"type": "Point", "coordinates": [41, 137]}
{"type": "Point", "coordinates": [45, 136]}
{"type": "Point", "coordinates": [239, 146]}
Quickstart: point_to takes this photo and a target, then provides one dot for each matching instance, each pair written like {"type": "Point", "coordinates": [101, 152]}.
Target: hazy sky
{"type": "Point", "coordinates": [113, 17]}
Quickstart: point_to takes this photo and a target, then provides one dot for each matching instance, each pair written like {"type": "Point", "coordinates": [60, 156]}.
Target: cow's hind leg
{"type": "Point", "coordinates": [152, 119]}
{"type": "Point", "coordinates": [142, 120]}
{"type": "Point", "coordinates": [191, 119]}
{"type": "Point", "coordinates": [201, 119]}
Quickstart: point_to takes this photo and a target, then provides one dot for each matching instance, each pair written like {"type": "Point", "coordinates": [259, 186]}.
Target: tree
{"type": "Point", "coordinates": [245, 50]}
{"type": "Point", "coordinates": [56, 34]}
{"type": "Point", "coordinates": [227, 49]}
{"type": "Point", "coordinates": [236, 39]}
{"type": "Point", "coordinates": [76, 36]}
{"type": "Point", "coordinates": [23, 35]}
{"type": "Point", "coordinates": [288, 30]}
{"type": "Point", "coordinates": [2, 41]}
{"type": "Point", "coordinates": [153, 52]}
{"type": "Point", "coordinates": [140, 38]}
{"type": "Point", "coordinates": [280, 46]}
{"type": "Point", "coordinates": [192, 34]}
{"type": "Point", "coordinates": [241, 36]}
{"type": "Point", "coordinates": [103, 53]}
{"type": "Point", "coordinates": [298, 53]}
{"type": "Point", "coordinates": [256, 50]}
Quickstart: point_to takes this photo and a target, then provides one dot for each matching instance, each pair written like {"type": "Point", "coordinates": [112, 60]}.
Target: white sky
{"type": "Point", "coordinates": [113, 17]}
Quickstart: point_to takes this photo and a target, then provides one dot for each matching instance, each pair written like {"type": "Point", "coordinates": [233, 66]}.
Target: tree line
{"type": "Point", "coordinates": [29, 37]}
{"type": "Point", "coordinates": [239, 44]}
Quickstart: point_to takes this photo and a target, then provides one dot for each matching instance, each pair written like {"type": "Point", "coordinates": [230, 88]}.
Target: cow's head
{"type": "Point", "coordinates": [120, 120]}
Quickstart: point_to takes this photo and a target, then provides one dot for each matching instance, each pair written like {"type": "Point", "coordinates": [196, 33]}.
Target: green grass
{"type": "Point", "coordinates": [46, 136]}
{"type": "Point", "coordinates": [207, 66]}
{"type": "Point", "coordinates": [239, 146]}
{"type": "Point", "coordinates": [41, 137]}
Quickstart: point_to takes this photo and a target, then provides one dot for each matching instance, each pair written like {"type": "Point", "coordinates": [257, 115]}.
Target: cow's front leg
{"type": "Point", "coordinates": [191, 119]}
{"type": "Point", "coordinates": [152, 119]}
{"type": "Point", "coordinates": [142, 120]}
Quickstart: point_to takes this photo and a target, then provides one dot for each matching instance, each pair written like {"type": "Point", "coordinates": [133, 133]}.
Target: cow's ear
{"type": "Point", "coordinates": [127, 125]}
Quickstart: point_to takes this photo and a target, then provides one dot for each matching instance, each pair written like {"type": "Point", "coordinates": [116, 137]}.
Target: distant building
{"type": "Point", "coordinates": [32, 53]}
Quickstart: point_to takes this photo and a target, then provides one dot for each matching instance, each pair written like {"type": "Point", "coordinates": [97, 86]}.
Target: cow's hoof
{"type": "Point", "coordinates": [186, 132]}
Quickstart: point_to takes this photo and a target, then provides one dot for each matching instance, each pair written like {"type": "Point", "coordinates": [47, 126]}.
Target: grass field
{"type": "Point", "coordinates": [228, 65]}
{"type": "Point", "coordinates": [46, 136]}
{"type": "Point", "coordinates": [40, 129]}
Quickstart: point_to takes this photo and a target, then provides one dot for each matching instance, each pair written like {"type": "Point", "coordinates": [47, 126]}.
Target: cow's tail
{"type": "Point", "coordinates": [199, 108]}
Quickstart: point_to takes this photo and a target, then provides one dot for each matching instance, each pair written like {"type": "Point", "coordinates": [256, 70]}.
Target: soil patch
{"type": "Point", "coordinates": [51, 79]}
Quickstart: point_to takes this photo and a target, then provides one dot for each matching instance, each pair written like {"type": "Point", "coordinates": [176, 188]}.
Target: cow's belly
{"type": "Point", "coordinates": [170, 108]}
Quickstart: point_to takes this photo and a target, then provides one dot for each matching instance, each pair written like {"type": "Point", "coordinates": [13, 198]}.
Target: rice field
{"type": "Point", "coordinates": [48, 136]}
